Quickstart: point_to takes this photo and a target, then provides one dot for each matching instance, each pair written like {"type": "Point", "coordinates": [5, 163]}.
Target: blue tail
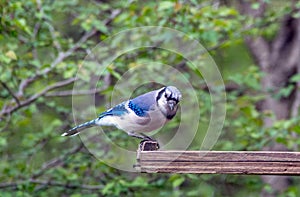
{"type": "Point", "coordinates": [77, 129]}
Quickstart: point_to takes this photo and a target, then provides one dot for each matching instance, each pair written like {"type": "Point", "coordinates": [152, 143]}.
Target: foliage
{"type": "Point", "coordinates": [42, 45]}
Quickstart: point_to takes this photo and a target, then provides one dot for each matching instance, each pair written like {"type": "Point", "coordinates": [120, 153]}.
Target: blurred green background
{"type": "Point", "coordinates": [43, 44]}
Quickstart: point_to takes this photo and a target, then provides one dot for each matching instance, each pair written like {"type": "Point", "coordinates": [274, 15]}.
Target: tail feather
{"type": "Point", "coordinates": [76, 130]}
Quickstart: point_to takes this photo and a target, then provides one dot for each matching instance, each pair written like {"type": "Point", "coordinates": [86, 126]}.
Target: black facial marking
{"type": "Point", "coordinates": [172, 99]}
{"type": "Point", "coordinates": [169, 117]}
{"type": "Point", "coordinates": [160, 93]}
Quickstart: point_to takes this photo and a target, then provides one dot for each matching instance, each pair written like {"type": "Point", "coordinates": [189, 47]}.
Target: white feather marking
{"type": "Point", "coordinates": [106, 121]}
{"type": "Point", "coordinates": [66, 134]}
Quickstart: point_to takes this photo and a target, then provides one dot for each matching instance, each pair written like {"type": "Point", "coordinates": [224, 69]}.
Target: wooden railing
{"type": "Point", "coordinates": [219, 162]}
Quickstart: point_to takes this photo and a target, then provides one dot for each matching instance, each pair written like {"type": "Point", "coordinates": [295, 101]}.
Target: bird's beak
{"type": "Point", "coordinates": [171, 105]}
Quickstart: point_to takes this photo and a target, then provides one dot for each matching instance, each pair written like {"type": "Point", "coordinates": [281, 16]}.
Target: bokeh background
{"type": "Point", "coordinates": [256, 45]}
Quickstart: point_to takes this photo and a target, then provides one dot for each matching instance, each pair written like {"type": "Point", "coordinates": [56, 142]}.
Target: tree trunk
{"type": "Point", "coordinates": [279, 60]}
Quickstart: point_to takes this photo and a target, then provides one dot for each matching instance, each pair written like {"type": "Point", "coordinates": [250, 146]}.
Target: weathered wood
{"type": "Point", "coordinates": [219, 162]}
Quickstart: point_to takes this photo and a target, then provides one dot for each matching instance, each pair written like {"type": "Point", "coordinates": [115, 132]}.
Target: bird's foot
{"type": "Point", "coordinates": [149, 145]}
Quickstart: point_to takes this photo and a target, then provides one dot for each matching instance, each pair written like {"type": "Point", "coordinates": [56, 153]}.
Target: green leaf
{"type": "Point", "coordinates": [72, 177]}
{"type": "Point", "coordinates": [11, 54]}
{"type": "Point", "coordinates": [5, 59]}
{"type": "Point", "coordinates": [3, 142]}
{"type": "Point", "coordinates": [255, 6]}
{"type": "Point", "coordinates": [295, 78]}
{"type": "Point", "coordinates": [163, 5]}
{"type": "Point", "coordinates": [284, 92]}
{"type": "Point", "coordinates": [107, 188]}
{"type": "Point", "coordinates": [100, 26]}
{"type": "Point", "coordinates": [177, 182]}
{"type": "Point", "coordinates": [76, 195]}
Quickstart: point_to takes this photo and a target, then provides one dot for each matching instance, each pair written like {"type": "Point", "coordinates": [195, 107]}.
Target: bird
{"type": "Point", "coordinates": [140, 115]}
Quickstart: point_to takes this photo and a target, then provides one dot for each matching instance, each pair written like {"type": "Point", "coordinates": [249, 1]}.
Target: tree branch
{"type": "Point", "coordinates": [52, 163]}
{"type": "Point", "coordinates": [286, 43]}
{"type": "Point", "coordinates": [63, 55]}
{"type": "Point", "coordinates": [10, 92]}
{"type": "Point", "coordinates": [10, 110]}
{"type": "Point", "coordinates": [66, 185]}
{"type": "Point", "coordinates": [51, 183]}
{"type": "Point", "coordinates": [54, 38]}
{"type": "Point", "coordinates": [73, 93]}
{"type": "Point", "coordinates": [56, 161]}
{"type": "Point", "coordinates": [260, 50]}
{"type": "Point", "coordinates": [36, 29]}
{"type": "Point", "coordinates": [296, 104]}
{"type": "Point", "coordinates": [106, 82]}
{"type": "Point", "coordinates": [258, 45]}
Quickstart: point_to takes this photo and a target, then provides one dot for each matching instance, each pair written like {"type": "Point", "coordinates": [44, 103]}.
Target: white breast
{"type": "Point", "coordinates": [134, 123]}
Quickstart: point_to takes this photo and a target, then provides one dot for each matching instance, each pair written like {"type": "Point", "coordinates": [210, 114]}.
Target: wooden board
{"type": "Point", "coordinates": [219, 162]}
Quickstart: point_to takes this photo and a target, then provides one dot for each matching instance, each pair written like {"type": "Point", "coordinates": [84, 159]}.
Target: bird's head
{"type": "Point", "coordinates": [168, 99]}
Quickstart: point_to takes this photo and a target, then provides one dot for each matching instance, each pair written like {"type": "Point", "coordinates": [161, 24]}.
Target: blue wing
{"type": "Point", "coordinates": [139, 105]}
{"type": "Point", "coordinates": [118, 110]}
{"type": "Point", "coordinates": [143, 103]}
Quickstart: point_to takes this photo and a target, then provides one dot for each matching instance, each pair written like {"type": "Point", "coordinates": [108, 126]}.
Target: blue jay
{"type": "Point", "coordinates": [144, 113]}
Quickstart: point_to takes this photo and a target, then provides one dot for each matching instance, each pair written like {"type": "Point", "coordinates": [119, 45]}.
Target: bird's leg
{"type": "Point", "coordinates": [140, 136]}
{"type": "Point", "coordinates": [146, 137]}
{"type": "Point", "coordinates": [132, 134]}
{"type": "Point", "coordinates": [147, 143]}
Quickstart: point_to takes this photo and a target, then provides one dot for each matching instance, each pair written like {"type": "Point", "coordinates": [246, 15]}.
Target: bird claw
{"type": "Point", "coordinates": [149, 145]}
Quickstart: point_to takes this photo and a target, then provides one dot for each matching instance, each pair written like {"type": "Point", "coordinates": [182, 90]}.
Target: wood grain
{"type": "Point", "coordinates": [219, 162]}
